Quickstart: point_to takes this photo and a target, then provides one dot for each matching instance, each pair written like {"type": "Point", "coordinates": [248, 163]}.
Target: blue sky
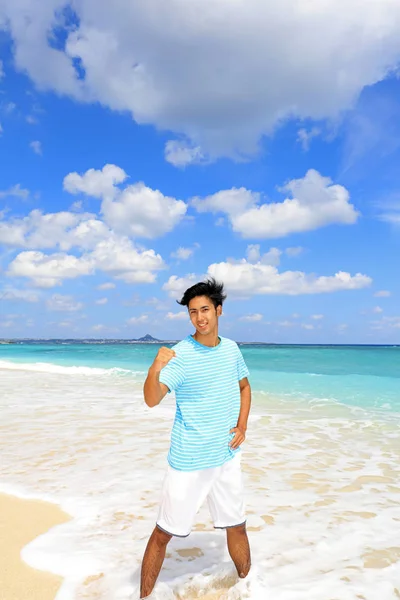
{"type": "Point", "coordinates": [143, 149]}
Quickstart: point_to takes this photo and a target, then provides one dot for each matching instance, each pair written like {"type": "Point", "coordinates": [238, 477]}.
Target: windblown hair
{"type": "Point", "coordinates": [210, 288]}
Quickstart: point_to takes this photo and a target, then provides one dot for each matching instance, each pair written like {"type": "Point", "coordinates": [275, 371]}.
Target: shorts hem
{"type": "Point", "coordinates": [229, 526]}
{"type": "Point", "coordinates": [170, 533]}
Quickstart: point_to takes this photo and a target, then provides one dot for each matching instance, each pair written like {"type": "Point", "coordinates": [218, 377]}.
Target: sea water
{"type": "Point", "coordinates": [321, 469]}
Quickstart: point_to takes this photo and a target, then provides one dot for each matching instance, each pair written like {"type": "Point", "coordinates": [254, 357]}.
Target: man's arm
{"type": "Point", "coordinates": [245, 404]}
{"type": "Point", "coordinates": [153, 390]}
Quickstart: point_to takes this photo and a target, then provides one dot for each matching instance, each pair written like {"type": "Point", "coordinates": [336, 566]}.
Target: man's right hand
{"type": "Point", "coordinates": [164, 355]}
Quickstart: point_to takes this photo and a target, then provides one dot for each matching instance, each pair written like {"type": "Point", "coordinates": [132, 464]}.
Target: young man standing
{"type": "Point", "coordinates": [213, 397]}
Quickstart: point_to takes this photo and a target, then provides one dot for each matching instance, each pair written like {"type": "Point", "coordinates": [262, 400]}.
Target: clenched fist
{"type": "Point", "coordinates": [164, 355]}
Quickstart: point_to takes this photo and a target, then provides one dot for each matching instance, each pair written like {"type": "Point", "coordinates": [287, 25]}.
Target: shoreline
{"type": "Point", "coordinates": [22, 521]}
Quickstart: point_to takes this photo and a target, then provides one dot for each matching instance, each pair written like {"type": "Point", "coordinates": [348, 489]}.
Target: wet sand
{"type": "Point", "coordinates": [21, 521]}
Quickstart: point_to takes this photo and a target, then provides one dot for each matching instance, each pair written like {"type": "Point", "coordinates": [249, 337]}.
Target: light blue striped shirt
{"type": "Point", "coordinates": [206, 385]}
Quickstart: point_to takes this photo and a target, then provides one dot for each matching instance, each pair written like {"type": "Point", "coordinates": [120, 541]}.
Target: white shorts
{"type": "Point", "coordinates": [184, 492]}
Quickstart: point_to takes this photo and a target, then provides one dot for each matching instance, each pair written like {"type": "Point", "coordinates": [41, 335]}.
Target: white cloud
{"type": "Point", "coordinates": [220, 73]}
{"type": "Point", "coordinates": [15, 295]}
{"type": "Point", "coordinates": [48, 271]}
{"type": "Point", "coordinates": [382, 294]}
{"type": "Point", "coordinates": [235, 201]}
{"type": "Point", "coordinates": [31, 120]}
{"type": "Point", "coordinates": [36, 147]}
{"type": "Point", "coordinates": [181, 154]}
{"type": "Point", "coordinates": [62, 229]}
{"type": "Point", "coordinates": [304, 137]}
{"type": "Point", "coordinates": [106, 286]}
{"type": "Point", "coordinates": [272, 257]}
{"type": "Point", "coordinates": [313, 202]}
{"type": "Point", "coordinates": [15, 191]}
{"type": "Point", "coordinates": [180, 316]}
{"type": "Point", "coordinates": [176, 286]}
{"type": "Point", "coordinates": [184, 253]}
{"type": "Point", "coordinates": [137, 210]}
{"type": "Point", "coordinates": [140, 211]}
{"type": "Point", "coordinates": [99, 184]}
{"type": "Point", "coordinates": [118, 257]}
{"type": "Point", "coordinates": [138, 320]}
{"type": "Point", "coordinates": [62, 303]}
{"type": "Point", "coordinates": [252, 318]}
{"type": "Point", "coordinates": [102, 301]}
{"type": "Point", "coordinates": [243, 278]}
{"type": "Point", "coordinates": [377, 310]}
{"type": "Point", "coordinates": [317, 317]}
{"type": "Point", "coordinates": [307, 326]}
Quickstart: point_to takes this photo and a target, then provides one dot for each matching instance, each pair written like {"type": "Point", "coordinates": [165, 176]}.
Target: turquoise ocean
{"type": "Point", "coordinates": [364, 376]}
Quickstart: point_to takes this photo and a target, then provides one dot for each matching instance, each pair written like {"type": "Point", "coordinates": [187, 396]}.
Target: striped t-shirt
{"type": "Point", "coordinates": [206, 385]}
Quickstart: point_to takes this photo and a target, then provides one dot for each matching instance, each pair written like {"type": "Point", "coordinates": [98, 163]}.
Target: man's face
{"type": "Point", "coordinates": [203, 314]}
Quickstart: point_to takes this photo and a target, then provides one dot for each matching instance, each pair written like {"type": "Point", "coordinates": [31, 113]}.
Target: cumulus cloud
{"type": "Point", "coordinates": [97, 183]}
{"type": "Point", "coordinates": [102, 301]}
{"type": "Point", "coordinates": [63, 229]}
{"type": "Point", "coordinates": [137, 210]}
{"type": "Point", "coordinates": [312, 202]}
{"type": "Point", "coordinates": [180, 316]}
{"type": "Point", "coordinates": [48, 271]}
{"type": "Point", "coordinates": [220, 73]}
{"type": "Point", "coordinates": [317, 317]}
{"type": "Point", "coordinates": [242, 277]}
{"type": "Point", "coordinates": [140, 211]}
{"type": "Point", "coordinates": [61, 303]}
{"type": "Point", "coordinates": [175, 285]}
{"type": "Point", "coordinates": [120, 258]}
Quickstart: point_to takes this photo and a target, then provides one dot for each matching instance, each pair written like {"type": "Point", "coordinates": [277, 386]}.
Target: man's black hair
{"type": "Point", "coordinates": [210, 288]}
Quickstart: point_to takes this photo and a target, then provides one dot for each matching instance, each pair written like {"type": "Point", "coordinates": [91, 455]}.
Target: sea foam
{"type": "Point", "coordinates": [322, 493]}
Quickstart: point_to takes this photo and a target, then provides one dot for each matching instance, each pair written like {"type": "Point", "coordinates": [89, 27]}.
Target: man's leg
{"type": "Point", "coordinates": [239, 549]}
{"type": "Point", "coordinates": [152, 561]}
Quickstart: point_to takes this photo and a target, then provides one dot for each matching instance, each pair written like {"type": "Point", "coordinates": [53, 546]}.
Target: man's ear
{"type": "Point", "coordinates": [219, 311]}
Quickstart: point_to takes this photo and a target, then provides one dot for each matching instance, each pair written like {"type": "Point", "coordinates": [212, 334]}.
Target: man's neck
{"type": "Point", "coordinates": [211, 340]}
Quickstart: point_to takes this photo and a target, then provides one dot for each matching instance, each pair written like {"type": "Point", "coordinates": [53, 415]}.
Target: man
{"type": "Point", "coordinates": [213, 397]}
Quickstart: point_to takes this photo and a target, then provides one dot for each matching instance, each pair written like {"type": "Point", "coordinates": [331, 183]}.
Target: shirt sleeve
{"type": "Point", "coordinates": [241, 366]}
{"type": "Point", "coordinates": [173, 374]}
